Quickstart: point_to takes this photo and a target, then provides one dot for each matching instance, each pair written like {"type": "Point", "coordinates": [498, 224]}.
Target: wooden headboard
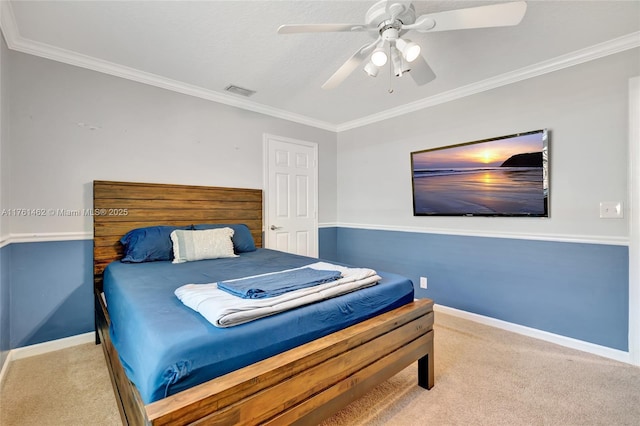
{"type": "Point", "coordinates": [122, 206]}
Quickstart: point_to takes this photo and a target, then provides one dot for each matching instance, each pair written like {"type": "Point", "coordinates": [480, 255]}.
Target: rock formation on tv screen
{"type": "Point", "coordinates": [530, 159]}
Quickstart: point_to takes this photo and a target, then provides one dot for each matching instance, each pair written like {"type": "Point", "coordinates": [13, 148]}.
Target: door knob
{"type": "Point", "coordinates": [273, 227]}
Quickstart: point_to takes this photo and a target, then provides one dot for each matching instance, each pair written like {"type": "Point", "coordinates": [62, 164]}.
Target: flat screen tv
{"type": "Point", "coordinates": [501, 176]}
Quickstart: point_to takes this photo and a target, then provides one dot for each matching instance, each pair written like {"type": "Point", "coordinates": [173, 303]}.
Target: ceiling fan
{"type": "Point", "coordinates": [388, 20]}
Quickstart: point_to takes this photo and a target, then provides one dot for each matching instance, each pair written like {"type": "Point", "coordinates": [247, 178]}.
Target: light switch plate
{"type": "Point", "coordinates": [611, 210]}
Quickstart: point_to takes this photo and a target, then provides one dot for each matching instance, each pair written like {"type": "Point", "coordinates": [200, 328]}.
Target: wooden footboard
{"type": "Point", "coordinates": [303, 385]}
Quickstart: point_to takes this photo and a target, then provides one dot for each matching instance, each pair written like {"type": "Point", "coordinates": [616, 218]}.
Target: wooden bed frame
{"type": "Point", "coordinates": [301, 386]}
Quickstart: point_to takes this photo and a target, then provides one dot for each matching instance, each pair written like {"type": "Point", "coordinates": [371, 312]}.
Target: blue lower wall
{"type": "Point", "coordinates": [51, 289]}
{"type": "Point", "coordinates": [574, 290]}
{"type": "Point", "coordinates": [570, 289]}
{"type": "Point", "coordinates": [328, 243]}
{"type": "Point", "coordinates": [5, 318]}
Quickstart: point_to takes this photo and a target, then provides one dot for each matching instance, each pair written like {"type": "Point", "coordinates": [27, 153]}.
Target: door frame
{"type": "Point", "coordinates": [634, 220]}
{"type": "Point", "coordinates": [266, 222]}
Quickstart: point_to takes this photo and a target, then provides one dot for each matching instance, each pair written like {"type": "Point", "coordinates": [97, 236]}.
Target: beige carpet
{"type": "Point", "coordinates": [484, 376]}
{"type": "Point", "coordinates": [66, 387]}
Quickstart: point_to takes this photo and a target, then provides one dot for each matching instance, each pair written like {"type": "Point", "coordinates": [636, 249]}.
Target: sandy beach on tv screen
{"type": "Point", "coordinates": [488, 191]}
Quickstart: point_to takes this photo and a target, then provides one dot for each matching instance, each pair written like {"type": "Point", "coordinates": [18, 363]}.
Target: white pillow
{"type": "Point", "coordinates": [199, 245]}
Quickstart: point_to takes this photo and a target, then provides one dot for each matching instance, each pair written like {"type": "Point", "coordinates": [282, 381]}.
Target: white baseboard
{"type": "Point", "coordinates": [5, 368]}
{"type": "Point", "coordinates": [568, 342]}
{"type": "Point", "coordinates": [53, 345]}
{"type": "Point", "coordinates": [43, 348]}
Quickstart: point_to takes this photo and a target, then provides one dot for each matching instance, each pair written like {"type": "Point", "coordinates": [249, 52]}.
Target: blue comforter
{"type": "Point", "coordinates": [165, 347]}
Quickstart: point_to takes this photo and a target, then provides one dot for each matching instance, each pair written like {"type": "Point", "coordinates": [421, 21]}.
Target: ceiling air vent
{"type": "Point", "coordinates": [239, 90]}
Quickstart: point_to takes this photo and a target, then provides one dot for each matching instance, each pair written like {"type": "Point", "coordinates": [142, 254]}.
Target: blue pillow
{"type": "Point", "coordinates": [149, 244]}
{"type": "Point", "coordinates": [242, 238]}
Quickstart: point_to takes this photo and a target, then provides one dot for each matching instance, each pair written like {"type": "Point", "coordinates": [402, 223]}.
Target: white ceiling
{"type": "Point", "coordinates": [201, 47]}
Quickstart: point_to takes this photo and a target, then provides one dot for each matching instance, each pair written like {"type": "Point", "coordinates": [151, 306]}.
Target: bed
{"type": "Point", "coordinates": [302, 378]}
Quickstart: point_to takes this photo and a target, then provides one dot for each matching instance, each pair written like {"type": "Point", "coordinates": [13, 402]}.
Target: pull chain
{"type": "Point", "coordinates": [390, 72]}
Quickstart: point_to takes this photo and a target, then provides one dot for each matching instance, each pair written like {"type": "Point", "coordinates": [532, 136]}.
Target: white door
{"type": "Point", "coordinates": [291, 195]}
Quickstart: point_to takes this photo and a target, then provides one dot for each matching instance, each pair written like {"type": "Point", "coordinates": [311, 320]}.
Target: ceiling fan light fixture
{"type": "Point", "coordinates": [410, 50]}
{"type": "Point", "coordinates": [399, 65]}
{"type": "Point", "coordinates": [371, 69]}
{"type": "Point", "coordinates": [379, 57]}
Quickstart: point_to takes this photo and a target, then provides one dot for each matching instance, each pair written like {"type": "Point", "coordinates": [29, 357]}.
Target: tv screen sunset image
{"type": "Point", "coordinates": [504, 176]}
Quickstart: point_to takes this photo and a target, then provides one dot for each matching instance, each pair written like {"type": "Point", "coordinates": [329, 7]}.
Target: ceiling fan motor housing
{"type": "Point", "coordinates": [389, 33]}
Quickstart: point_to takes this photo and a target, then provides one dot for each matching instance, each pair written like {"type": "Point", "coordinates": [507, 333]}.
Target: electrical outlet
{"type": "Point", "coordinates": [423, 282]}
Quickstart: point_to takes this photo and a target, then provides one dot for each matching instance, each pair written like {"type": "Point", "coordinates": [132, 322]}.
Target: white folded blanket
{"type": "Point", "coordinates": [225, 310]}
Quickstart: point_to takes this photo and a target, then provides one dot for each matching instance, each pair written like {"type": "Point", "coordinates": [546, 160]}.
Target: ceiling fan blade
{"type": "Point", "coordinates": [321, 28]}
{"type": "Point", "coordinates": [495, 15]}
{"type": "Point", "coordinates": [421, 72]}
{"type": "Point", "coordinates": [349, 66]}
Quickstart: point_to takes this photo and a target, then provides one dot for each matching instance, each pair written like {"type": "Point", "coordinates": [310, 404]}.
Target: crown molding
{"type": "Point", "coordinates": [620, 44]}
{"type": "Point", "coordinates": [16, 42]}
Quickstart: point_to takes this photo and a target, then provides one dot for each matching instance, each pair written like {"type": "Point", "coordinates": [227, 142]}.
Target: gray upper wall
{"type": "Point", "coordinates": [585, 107]}
{"type": "Point", "coordinates": [4, 121]}
{"type": "Point", "coordinates": [70, 126]}
{"type": "Point", "coordinates": [5, 321]}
